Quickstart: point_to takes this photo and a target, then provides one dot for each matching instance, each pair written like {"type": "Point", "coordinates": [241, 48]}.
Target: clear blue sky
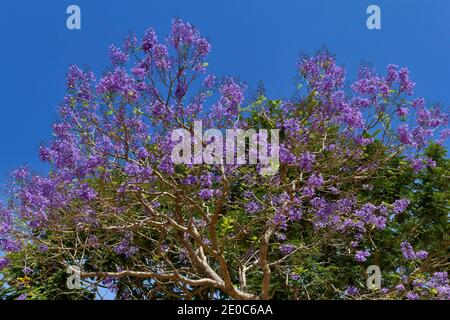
{"type": "Point", "coordinates": [253, 39]}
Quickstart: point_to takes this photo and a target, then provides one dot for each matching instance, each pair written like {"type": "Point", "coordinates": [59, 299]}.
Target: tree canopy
{"type": "Point", "coordinates": [362, 179]}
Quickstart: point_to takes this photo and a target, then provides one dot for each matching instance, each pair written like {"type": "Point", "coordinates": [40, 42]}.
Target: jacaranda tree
{"type": "Point", "coordinates": [362, 179]}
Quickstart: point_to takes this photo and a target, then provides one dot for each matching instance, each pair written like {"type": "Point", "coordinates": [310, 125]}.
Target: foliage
{"type": "Point", "coordinates": [355, 186]}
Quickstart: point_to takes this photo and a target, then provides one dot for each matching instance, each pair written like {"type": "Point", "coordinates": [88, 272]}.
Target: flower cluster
{"type": "Point", "coordinates": [409, 254]}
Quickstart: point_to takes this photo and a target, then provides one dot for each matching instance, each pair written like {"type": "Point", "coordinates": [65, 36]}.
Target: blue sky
{"type": "Point", "coordinates": [254, 39]}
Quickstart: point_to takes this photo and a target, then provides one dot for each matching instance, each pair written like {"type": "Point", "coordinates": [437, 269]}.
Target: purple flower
{"type": "Point", "coordinates": [252, 207]}
{"type": "Point", "coordinates": [130, 43]}
{"type": "Point", "coordinates": [183, 34]}
{"type": "Point", "coordinates": [384, 290]}
{"type": "Point", "coordinates": [418, 103]}
{"type": "Point", "coordinates": [412, 296]}
{"type": "Point", "coordinates": [280, 220]}
{"type": "Point", "coordinates": [422, 255]}
{"type": "Point", "coordinates": [203, 47]}
{"type": "Point", "coordinates": [45, 153]}
{"type": "Point", "coordinates": [286, 156]}
{"type": "Point", "coordinates": [417, 165]}
{"type": "Point", "coordinates": [439, 282]}
{"type": "Point", "coordinates": [361, 256]}
{"type": "Point", "coordinates": [352, 117]}
{"type": "Point", "coordinates": [166, 165]}
{"type": "Point", "coordinates": [420, 135]}
{"type": "Point", "coordinates": [23, 296]}
{"type": "Point", "coordinates": [295, 214]}
{"type": "Point", "coordinates": [124, 247]}
{"type": "Point", "coordinates": [379, 222]}
{"type": "Point", "coordinates": [10, 245]}
{"type": "Point", "coordinates": [161, 55]}
{"type": "Point", "coordinates": [364, 141]}
{"type": "Point", "coordinates": [439, 278]}
{"type": "Point", "coordinates": [3, 263]}
{"type": "Point", "coordinates": [79, 83]}
{"type": "Point", "coordinates": [280, 236]}
{"type": "Point", "coordinates": [322, 72]}
{"type": "Point", "coordinates": [149, 40]}
{"type": "Point", "coordinates": [406, 85]}
{"type": "Point", "coordinates": [117, 81]}
{"type": "Point", "coordinates": [231, 96]}
{"type": "Point", "coordinates": [21, 174]}
{"type": "Point", "coordinates": [402, 111]}
{"type": "Point", "coordinates": [407, 250]}
{"type": "Point", "coordinates": [383, 209]}
{"type": "Point", "coordinates": [206, 194]}
{"type": "Point", "coordinates": [135, 170]}
{"type": "Point", "coordinates": [117, 56]}
{"type": "Point", "coordinates": [209, 81]}
{"type": "Point", "coordinates": [371, 85]}
{"type": "Point", "coordinates": [366, 212]}
{"type": "Point", "coordinates": [400, 205]}
{"type": "Point", "coordinates": [334, 190]}
{"type": "Point", "coordinates": [431, 163]}
{"type": "Point", "coordinates": [190, 180]}
{"type": "Point", "coordinates": [444, 135]}
{"type": "Point", "coordinates": [404, 135]}
{"type": "Point", "coordinates": [400, 287]}
{"type": "Point", "coordinates": [295, 276]}
{"type": "Point", "coordinates": [306, 161]}
{"type": "Point", "coordinates": [156, 204]}
{"type": "Point", "coordinates": [139, 72]}
{"type": "Point", "coordinates": [352, 291]}
{"type": "Point", "coordinates": [181, 89]}
{"type": "Point", "coordinates": [92, 241]}
{"type": "Point", "coordinates": [315, 180]}
{"type": "Point", "coordinates": [142, 153]}
{"type": "Point", "coordinates": [73, 76]}
{"type": "Point", "coordinates": [42, 248]}
{"type": "Point", "coordinates": [392, 73]}
{"type": "Point", "coordinates": [86, 193]}
{"type": "Point", "coordinates": [27, 270]}
{"type": "Point", "coordinates": [287, 249]}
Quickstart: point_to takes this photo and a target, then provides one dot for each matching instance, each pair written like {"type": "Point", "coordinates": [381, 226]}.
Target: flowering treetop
{"type": "Point", "coordinates": [116, 204]}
